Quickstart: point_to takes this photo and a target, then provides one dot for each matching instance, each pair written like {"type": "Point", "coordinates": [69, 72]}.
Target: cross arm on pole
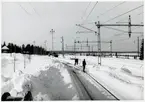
{"type": "Point", "coordinates": [117, 24]}
{"type": "Point", "coordinates": [52, 31]}
{"type": "Point", "coordinates": [92, 41]}
{"type": "Point", "coordinates": [84, 32]}
{"type": "Point", "coordinates": [86, 28]}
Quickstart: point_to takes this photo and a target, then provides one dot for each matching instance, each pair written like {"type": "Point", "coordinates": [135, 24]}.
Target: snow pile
{"type": "Point", "coordinates": [133, 71]}
{"type": "Point", "coordinates": [43, 76]}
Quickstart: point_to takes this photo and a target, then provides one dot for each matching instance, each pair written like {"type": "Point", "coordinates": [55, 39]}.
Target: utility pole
{"type": "Point", "coordinates": [66, 47]}
{"type": "Point", "coordinates": [14, 55]}
{"type": "Point", "coordinates": [52, 31]}
{"type": "Point", "coordinates": [92, 48]}
{"type": "Point", "coordinates": [34, 47]}
{"type": "Point", "coordinates": [24, 61]}
{"type": "Point", "coordinates": [81, 47]}
{"type": "Point", "coordinates": [14, 61]}
{"type": "Point", "coordinates": [99, 44]}
{"type": "Point", "coordinates": [87, 43]}
{"type": "Point", "coordinates": [88, 46]}
{"type": "Point", "coordinates": [62, 45]}
{"type": "Point", "coordinates": [129, 26]}
{"type": "Point", "coordinates": [45, 46]}
{"type": "Point", "coordinates": [138, 45]}
{"type": "Point", "coordinates": [75, 47]}
{"type": "Point", "coordinates": [111, 47]}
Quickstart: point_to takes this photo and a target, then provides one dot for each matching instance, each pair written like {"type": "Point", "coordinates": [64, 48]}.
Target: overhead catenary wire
{"type": "Point", "coordinates": [87, 23]}
{"type": "Point", "coordinates": [86, 10]}
{"type": "Point", "coordinates": [106, 12]}
{"type": "Point", "coordinates": [123, 13]}
{"type": "Point", "coordinates": [84, 32]}
{"type": "Point", "coordinates": [127, 19]}
{"type": "Point", "coordinates": [137, 32]}
{"type": "Point", "coordinates": [111, 9]}
{"type": "Point", "coordinates": [115, 29]}
{"type": "Point", "coordinates": [117, 16]}
{"type": "Point", "coordinates": [121, 40]}
{"type": "Point", "coordinates": [23, 8]}
{"type": "Point", "coordinates": [90, 11]}
{"type": "Point", "coordinates": [116, 22]}
{"type": "Point", "coordinates": [124, 31]}
{"type": "Point", "coordinates": [125, 34]}
{"type": "Point", "coordinates": [140, 13]}
{"type": "Point", "coordinates": [133, 33]}
{"type": "Point", "coordinates": [86, 28]}
{"type": "Point", "coordinates": [34, 9]}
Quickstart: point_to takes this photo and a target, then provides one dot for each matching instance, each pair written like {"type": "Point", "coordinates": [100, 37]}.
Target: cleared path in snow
{"type": "Point", "coordinates": [82, 91]}
{"type": "Point", "coordinates": [87, 87]}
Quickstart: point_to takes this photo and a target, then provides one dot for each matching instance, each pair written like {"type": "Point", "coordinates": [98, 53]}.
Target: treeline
{"type": "Point", "coordinates": [25, 49]}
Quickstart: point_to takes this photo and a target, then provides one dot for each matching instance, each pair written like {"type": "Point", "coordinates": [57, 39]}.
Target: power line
{"type": "Point", "coordinates": [34, 9]}
{"type": "Point", "coordinates": [23, 8]}
{"type": "Point", "coordinates": [88, 23]}
{"type": "Point", "coordinates": [91, 11]}
{"type": "Point", "coordinates": [132, 32]}
{"type": "Point", "coordinates": [132, 16]}
{"type": "Point", "coordinates": [124, 39]}
{"type": "Point", "coordinates": [123, 13]}
{"type": "Point", "coordinates": [85, 28]}
{"type": "Point", "coordinates": [121, 39]}
{"type": "Point", "coordinates": [117, 16]}
{"type": "Point", "coordinates": [116, 29]}
{"type": "Point", "coordinates": [140, 13]}
{"type": "Point", "coordinates": [107, 11]}
{"type": "Point", "coordinates": [84, 32]}
{"type": "Point", "coordinates": [111, 8]}
{"type": "Point", "coordinates": [137, 32]}
{"type": "Point", "coordinates": [86, 9]}
{"type": "Point", "coordinates": [123, 33]}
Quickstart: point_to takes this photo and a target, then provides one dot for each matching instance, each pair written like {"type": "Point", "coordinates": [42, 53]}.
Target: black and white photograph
{"type": "Point", "coordinates": [72, 50]}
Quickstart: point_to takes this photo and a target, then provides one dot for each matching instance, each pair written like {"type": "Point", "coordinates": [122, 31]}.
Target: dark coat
{"type": "Point", "coordinates": [84, 62]}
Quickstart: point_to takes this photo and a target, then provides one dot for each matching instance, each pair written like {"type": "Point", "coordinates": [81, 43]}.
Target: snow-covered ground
{"type": "Point", "coordinates": [49, 80]}
{"type": "Point", "coordinates": [123, 77]}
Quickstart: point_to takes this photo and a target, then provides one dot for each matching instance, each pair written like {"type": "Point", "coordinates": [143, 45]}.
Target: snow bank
{"type": "Point", "coordinates": [123, 77]}
{"type": "Point", "coordinates": [43, 75]}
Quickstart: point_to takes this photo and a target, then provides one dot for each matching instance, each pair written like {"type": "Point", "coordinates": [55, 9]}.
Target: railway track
{"type": "Point", "coordinates": [90, 76]}
{"type": "Point", "coordinates": [103, 86]}
{"type": "Point", "coordinates": [84, 91]}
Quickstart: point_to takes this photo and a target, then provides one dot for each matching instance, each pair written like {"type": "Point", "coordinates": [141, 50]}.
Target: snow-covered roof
{"type": "Point", "coordinates": [5, 48]}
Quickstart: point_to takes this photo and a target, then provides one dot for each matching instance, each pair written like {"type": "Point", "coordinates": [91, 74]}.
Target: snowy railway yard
{"type": "Point", "coordinates": [51, 78]}
{"type": "Point", "coordinates": [60, 50]}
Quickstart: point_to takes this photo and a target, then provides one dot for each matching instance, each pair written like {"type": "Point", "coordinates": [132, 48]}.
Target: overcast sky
{"type": "Point", "coordinates": [25, 22]}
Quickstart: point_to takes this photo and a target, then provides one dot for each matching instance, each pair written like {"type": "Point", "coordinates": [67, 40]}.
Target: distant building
{"type": "Point", "coordinates": [5, 49]}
